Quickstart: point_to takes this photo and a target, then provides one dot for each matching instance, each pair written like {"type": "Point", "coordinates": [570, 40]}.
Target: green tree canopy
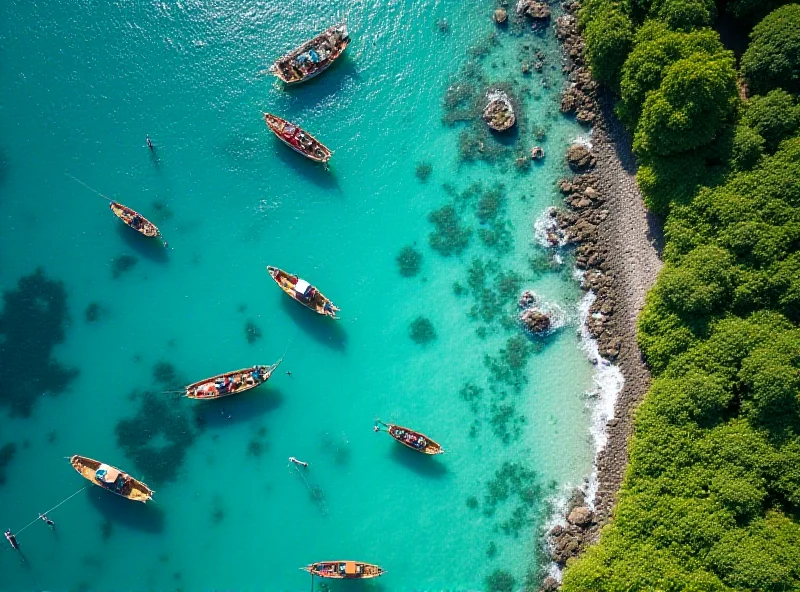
{"type": "Point", "coordinates": [609, 38]}
{"type": "Point", "coordinates": [684, 15]}
{"type": "Point", "coordinates": [656, 48]}
{"type": "Point", "coordinates": [695, 100]}
{"type": "Point", "coordinates": [772, 59]}
{"type": "Point", "coordinates": [775, 116]}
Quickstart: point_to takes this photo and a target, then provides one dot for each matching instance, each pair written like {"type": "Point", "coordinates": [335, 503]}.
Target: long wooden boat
{"type": "Point", "coordinates": [111, 479]}
{"type": "Point", "coordinates": [298, 139]}
{"type": "Point", "coordinates": [313, 56]}
{"type": "Point", "coordinates": [135, 220]}
{"type": "Point", "coordinates": [303, 292]}
{"type": "Point", "coordinates": [231, 383]}
{"type": "Point", "coordinates": [413, 439]}
{"type": "Point", "coordinates": [344, 570]}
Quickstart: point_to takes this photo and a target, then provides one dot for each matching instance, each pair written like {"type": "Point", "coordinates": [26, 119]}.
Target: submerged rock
{"type": "Point", "coordinates": [498, 113]}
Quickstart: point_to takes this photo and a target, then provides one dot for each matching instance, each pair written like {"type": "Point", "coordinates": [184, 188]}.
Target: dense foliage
{"type": "Point", "coordinates": [711, 499]}
{"type": "Point", "coordinates": [773, 58]}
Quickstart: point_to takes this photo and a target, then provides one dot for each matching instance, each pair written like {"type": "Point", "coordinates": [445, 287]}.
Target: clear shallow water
{"type": "Point", "coordinates": [83, 83]}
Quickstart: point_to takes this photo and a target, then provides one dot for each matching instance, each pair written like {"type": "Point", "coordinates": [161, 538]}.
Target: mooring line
{"type": "Point", "coordinates": [50, 510]}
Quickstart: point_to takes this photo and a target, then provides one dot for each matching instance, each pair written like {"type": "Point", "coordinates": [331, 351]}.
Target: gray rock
{"type": "Point", "coordinates": [580, 516]}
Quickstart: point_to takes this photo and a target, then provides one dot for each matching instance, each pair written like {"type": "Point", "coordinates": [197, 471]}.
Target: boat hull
{"type": "Point", "coordinates": [241, 381]}
{"type": "Point", "coordinates": [344, 570]}
{"type": "Point", "coordinates": [319, 303]}
{"type": "Point", "coordinates": [135, 220]}
{"type": "Point", "coordinates": [400, 434]}
{"type": "Point", "coordinates": [133, 490]}
{"type": "Point", "coordinates": [314, 150]}
{"type": "Point", "coordinates": [288, 64]}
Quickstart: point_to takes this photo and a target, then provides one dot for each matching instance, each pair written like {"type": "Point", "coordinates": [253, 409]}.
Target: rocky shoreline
{"type": "Point", "coordinates": [617, 246]}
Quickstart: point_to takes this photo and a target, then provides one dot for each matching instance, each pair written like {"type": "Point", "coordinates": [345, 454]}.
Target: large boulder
{"type": "Point", "coordinates": [534, 9]}
{"type": "Point", "coordinates": [535, 321]}
{"type": "Point", "coordinates": [498, 113]}
{"type": "Point", "coordinates": [500, 15]}
{"type": "Point", "coordinates": [579, 158]}
{"type": "Point", "coordinates": [580, 516]}
{"type": "Point", "coordinates": [550, 584]}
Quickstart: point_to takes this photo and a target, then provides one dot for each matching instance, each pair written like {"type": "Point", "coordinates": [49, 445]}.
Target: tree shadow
{"type": "Point", "coordinates": [326, 331]}
{"type": "Point", "coordinates": [137, 516]}
{"type": "Point", "coordinates": [422, 464]}
{"type": "Point", "coordinates": [618, 135]}
{"type": "Point", "coordinates": [237, 409]}
{"type": "Point", "coordinates": [149, 248]}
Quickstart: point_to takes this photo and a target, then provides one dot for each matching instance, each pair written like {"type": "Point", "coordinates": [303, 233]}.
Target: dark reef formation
{"type": "Point", "coordinates": [164, 374]}
{"type": "Point", "coordinates": [122, 264]}
{"type": "Point", "coordinates": [409, 261]}
{"type": "Point", "coordinates": [157, 438]}
{"type": "Point", "coordinates": [423, 171]}
{"type": "Point", "coordinates": [34, 319]}
{"type": "Point", "coordinates": [449, 236]}
{"type": "Point", "coordinates": [252, 332]}
{"type": "Point", "coordinates": [93, 312]}
{"type": "Point", "coordinates": [7, 453]}
{"type": "Point", "coordinates": [421, 330]}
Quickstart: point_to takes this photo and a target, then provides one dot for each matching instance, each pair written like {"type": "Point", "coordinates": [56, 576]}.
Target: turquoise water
{"type": "Point", "coordinates": [83, 83]}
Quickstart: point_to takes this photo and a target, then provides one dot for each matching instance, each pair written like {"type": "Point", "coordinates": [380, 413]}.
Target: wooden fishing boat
{"type": "Point", "coordinates": [313, 56]}
{"type": "Point", "coordinates": [231, 383]}
{"type": "Point", "coordinates": [298, 139]}
{"type": "Point", "coordinates": [303, 292]}
{"type": "Point", "coordinates": [344, 570]}
{"type": "Point", "coordinates": [135, 220]}
{"type": "Point", "coordinates": [111, 479]}
{"type": "Point", "coordinates": [413, 439]}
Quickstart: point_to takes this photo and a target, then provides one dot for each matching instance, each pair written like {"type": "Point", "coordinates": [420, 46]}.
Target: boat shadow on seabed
{"type": "Point", "coordinates": [321, 585]}
{"type": "Point", "coordinates": [320, 89]}
{"type": "Point", "coordinates": [304, 168]}
{"type": "Point", "coordinates": [421, 464]}
{"type": "Point", "coordinates": [326, 331]}
{"type": "Point", "coordinates": [142, 517]}
{"type": "Point", "coordinates": [151, 249]}
{"type": "Point", "coordinates": [225, 411]}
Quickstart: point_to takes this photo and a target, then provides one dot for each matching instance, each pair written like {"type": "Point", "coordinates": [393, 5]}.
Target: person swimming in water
{"type": "Point", "coordinates": [150, 143]}
{"type": "Point", "coordinates": [297, 462]}
{"type": "Point", "coordinates": [47, 521]}
{"type": "Point", "coordinates": [12, 539]}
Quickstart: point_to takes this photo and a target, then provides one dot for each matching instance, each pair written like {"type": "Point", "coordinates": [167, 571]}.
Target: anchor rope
{"type": "Point", "coordinates": [50, 510]}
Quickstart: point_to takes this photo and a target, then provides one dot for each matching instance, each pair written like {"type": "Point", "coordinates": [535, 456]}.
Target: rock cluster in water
{"type": "Point", "coordinates": [580, 159]}
{"type": "Point", "coordinates": [534, 319]}
{"type": "Point", "coordinates": [567, 540]}
{"type": "Point", "coordinates": [579, 224]}
{"type": "Point", "coordinates": [498, 113]}
{"type": "Point", "coordinates": [534, 9]}
{"type": "Point", "coordinates": [580, 98]}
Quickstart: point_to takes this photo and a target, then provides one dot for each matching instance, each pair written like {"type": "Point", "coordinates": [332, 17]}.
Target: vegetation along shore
{"type": "Point", "coordinates": [710, 498]}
